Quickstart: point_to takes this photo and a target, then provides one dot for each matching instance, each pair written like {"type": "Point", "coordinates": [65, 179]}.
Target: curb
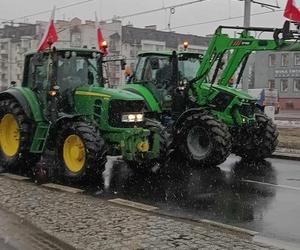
{"type": "Point", "coordinates": [285, 156]}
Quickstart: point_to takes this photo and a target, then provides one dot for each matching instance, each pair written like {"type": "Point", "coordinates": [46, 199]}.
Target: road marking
{"type": "Point", "coordinates": [133, 204]}
{"type": "Point", "coordinates": [271, 185]}
{"type": "Point", "coordinates": [15, 177]}
{"type": "Point", "coordinates": [63, 188]}
{"type": "Point", "coordinates": [229, 227]}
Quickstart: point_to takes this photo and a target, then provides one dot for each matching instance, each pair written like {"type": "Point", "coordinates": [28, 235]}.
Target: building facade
{"type": "Point", "coordinates": [279, 70]}
{"type": "Point", "coordinates": [14, 43]}
{"type": "Point", "coordinates": [124, 42]}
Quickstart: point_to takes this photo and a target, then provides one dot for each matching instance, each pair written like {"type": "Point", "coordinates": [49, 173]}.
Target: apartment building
{"type": "Point", "coordinates": [124, 41]}
{"type": "Point", "coordinates": [280, 70]}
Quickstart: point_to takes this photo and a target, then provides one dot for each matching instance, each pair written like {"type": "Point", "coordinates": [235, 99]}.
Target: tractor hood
{"type": "Point", "coordinates": [235, 92]}
{"type": "Point", "coordinates": [107, 93]}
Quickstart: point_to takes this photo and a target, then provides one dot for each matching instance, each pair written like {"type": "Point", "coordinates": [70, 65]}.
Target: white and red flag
{"type": "Point", "coordinates": [102, 44]}
{"type": "Point", "coordinates": [292, 10]}
{"type": "Point", "coordinates": [50, 35]}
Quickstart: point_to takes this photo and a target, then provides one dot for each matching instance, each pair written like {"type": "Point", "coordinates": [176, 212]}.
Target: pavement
{"type": "Point", "coordinates": [288, 115]}
{"type": "Point", "coordinates": [18, 234]}
{"type": "Point", "coordinates": [88, 222]}
{"type": "Point", "coordinates": [287, 154]}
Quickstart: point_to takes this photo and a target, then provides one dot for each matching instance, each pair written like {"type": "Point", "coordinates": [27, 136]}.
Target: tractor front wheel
{"type": "Point", "coordinates": [203, 140]}
{"type": "Point", "coordinates": [16, 132]}
{"type": "Point", "coordinates": [80, 151]}
{"type": "Point", "coordinates": [257, 142]}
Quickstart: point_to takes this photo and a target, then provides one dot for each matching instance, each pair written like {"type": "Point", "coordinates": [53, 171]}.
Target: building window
{"type": "Point", "coordinates": [272, 60]}
{"type": "Point", "coordinates": [271, 84]}
{"type": "Point", "coordinates": [297, 59]}
{"type": "Point", "coordinates": [284, 85]}
{"type": "Point", "coordinates": [75, 39]}
{"type": "Point", "coordinates": [284, 60]}
{"type": "Point", "coordinates": [296, 85]}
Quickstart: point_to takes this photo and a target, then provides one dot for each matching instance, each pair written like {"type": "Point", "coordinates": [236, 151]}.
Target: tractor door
{"type": "Point", "coordinates": [36, 76]}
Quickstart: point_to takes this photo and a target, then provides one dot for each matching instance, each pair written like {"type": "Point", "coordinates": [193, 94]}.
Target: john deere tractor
{"type": "Point", "coordinates": [193, 92]}
{"type": "Point", "coordinates": [62, 106]}
{"type": "Point", "coordinates": [161, 78]}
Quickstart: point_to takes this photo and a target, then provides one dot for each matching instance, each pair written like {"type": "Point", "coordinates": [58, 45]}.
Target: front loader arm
{"type": "Point", "coordinates": [241, 47]}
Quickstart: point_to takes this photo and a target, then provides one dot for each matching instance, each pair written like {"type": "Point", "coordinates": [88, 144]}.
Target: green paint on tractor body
{"type": "Point", "coordinates": [76, 76]}
{"type": "Point", "coordinates": [176, 84]}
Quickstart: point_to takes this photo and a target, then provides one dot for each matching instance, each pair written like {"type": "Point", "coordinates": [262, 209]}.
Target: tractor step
{"type": "Point", "coordinates": [40, 138]}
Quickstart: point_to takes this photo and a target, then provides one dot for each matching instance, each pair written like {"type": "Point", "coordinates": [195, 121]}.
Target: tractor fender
{"type": "Point", "coordinates": [186, 114]}
{"type": "Point", "coordinates": [27, 99]}
{"type": "Point", "coordinates": [138, 89]}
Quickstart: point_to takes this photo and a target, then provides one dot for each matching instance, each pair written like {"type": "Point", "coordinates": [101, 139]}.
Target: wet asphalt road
{"type": "Point", "coordinates": [263, 196]}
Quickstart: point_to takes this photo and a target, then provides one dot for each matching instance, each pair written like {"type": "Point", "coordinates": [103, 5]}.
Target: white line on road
{"type": "Point", "coordinates": [271, 185]}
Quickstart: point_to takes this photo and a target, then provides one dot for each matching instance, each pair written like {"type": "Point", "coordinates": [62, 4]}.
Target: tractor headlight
{"type": "Point", "coordinates": [133, 117]}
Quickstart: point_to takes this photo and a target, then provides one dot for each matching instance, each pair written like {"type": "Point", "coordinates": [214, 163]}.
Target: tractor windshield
{"type": "Point", "coordinates": [76, 69]}
{"type": "Point", "coordinates": [188, 67]}
{"type": "Point", "coordinates": [158, 69]}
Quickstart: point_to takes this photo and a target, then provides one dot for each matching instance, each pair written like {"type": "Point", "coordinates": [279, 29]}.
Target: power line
{"type": "Point", "coordinates": [48, 11]}
{"type": "Point", "coordinates": [223, 19]}
{"type": "Point", "coordinates": [154, 10]}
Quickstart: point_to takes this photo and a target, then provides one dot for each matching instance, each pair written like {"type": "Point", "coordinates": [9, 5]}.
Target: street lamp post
{"type": "Point", "coordinates": [247, 13]}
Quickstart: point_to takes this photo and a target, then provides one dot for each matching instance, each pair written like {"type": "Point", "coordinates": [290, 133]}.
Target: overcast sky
{"type": "Point", "coordinates": [205, 11]}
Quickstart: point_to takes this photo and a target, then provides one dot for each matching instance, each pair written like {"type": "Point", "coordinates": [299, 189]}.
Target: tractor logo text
{"type": "Point", "coordinates": [240, 43]}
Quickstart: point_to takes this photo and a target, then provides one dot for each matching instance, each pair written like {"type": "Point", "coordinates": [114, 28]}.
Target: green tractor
{"type": "Point", "coordinates": [62, 106]}
{"type": "Point", "coordinates": [210, 118]}
{"type": "Point", "coordinates": [161, 78]}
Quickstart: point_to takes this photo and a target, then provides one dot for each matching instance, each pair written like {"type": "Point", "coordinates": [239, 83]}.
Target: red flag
{"type": "Point", "coordinates": [292, 10]}
{"type": "Point", "coordinates": [50, 36]}
{"type": "Point", "coordinates": [102, 44]}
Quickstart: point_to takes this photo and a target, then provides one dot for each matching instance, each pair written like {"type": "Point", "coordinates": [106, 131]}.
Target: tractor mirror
{"type": "Point", "coordinates": [13, 83]}
{"type": "Point", "coordinates": [123, 64]}
{"type": "Point", "coordinates": [154, 62]}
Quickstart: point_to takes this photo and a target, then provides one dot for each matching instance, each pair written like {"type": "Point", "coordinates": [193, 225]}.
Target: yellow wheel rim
{"type": "Point", "coordinates": [74, 153]}
{"type": "Point", "coordinates": [9, 135]}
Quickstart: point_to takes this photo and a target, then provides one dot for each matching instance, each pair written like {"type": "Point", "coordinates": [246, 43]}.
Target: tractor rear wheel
{"type": "Point", "coordinates": [16, 132]}
{"type": "Point", "coordinates": [203, 140]}
{"type": "Point", "coordinates": [257, 142]}
{"type": "Point", "coordinates": [80, 151]}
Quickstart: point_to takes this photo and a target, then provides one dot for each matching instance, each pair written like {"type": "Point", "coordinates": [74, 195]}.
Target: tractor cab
{"type": "Point", "coordinates": [165, 73]}
{"type": "Point", "coordinates": [62, 71]}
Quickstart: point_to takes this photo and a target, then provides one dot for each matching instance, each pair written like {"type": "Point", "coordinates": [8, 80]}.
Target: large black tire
{"type": "Point", "coordinates": [80, 151]}
{"type": "Point", "coordinates": [203, 140]}
{"type": "Point", "coordinates": [257, 142]}
{"type": "Point", "coordinates": [16, 133]}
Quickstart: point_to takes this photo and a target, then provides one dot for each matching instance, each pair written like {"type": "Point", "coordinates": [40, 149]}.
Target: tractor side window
{"type": "Point", "coordinates": [37, 78]}
{"type": "Point", "coordinates": [140, 69]}
{"type": "Point", "coordinates": [164, 72]}
{"type": "Point", "coordinates": [157, 69]}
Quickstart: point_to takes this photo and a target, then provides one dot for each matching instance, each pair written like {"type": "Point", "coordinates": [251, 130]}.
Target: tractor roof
{"type": "Point", "coordinates": [80, 50]}
{"type": "Point", "coordinates": [167, 53]}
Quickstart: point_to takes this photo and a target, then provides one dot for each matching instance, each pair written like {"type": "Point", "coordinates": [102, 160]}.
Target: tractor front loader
{"type": "Point", "coordinates": [191, 93]}
{"type": "Point", "coordinates": [63, 107]}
